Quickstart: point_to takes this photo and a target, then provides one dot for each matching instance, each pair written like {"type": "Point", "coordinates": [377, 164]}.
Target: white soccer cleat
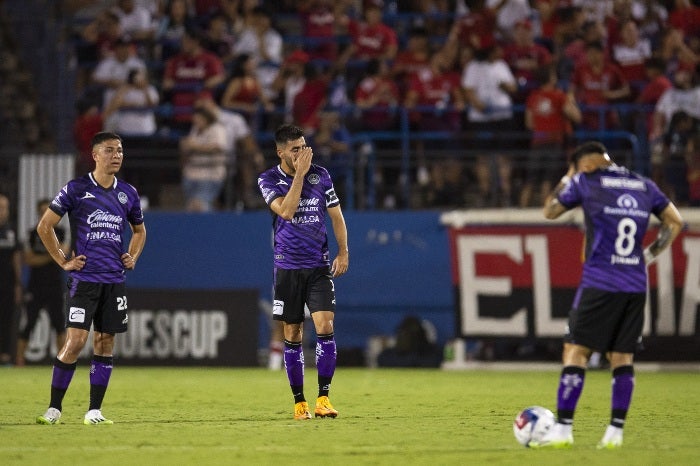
{"type": "Point", "coordinates": [559, 436]}
{"type": "Point", "coordinates": [612, 439]}
{"type": "Point", "coordinates": [95, 417]}
{"type": "Point", "coordinates": [51, 416]}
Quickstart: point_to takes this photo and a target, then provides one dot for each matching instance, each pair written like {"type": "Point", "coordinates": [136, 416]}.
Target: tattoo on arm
{"type": "Point", "coordinates": [663, 239]}
{"type": "Point", "coordinates": [553, 206]}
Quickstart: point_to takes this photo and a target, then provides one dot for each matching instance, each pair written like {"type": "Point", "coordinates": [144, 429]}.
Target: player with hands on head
{"type": "Point", "coordinates": [300, 195]}
{"type": "Point", "coordinates": [100, 209]}
{"type": "Point", "coordinates": [607, 314]}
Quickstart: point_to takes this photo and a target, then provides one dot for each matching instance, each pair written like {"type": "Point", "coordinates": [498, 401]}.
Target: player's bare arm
{"type": "Point", "coordinates": [671, 226]}
{"type": "Point", "coordinates": [46, 232]}
{"type": "Point", "coordinates": [138, 240]}
{"type": "Point", "coordinates": [552, 207]}
{"type": "Point", "coordinates": [342, 261]}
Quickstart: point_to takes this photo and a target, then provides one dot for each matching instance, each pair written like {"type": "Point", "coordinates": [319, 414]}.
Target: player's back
{"type": "Point", "coordinates": [617, 206]}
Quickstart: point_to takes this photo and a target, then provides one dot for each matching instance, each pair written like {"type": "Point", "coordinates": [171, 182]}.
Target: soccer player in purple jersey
{"type": "Point", "coordinates": [607, 314]}
{"type": "Point", "coordinates": [300, 195]}
{"type": "Point", "coordinates": [100, 209]}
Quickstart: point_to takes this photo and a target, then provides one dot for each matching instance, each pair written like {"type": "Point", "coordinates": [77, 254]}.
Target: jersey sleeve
{"type": "Point", "coordinates": [570, 196]}
{"type": "Point", "coordinates": [63, 202]}
{"type": "Point", "coordinates": [269, 189]}
{"type": "Point", "coordinates": [331, 196]}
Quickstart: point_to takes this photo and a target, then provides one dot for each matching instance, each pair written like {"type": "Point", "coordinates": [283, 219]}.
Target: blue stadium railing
{"type": "Point", "coordinates": [360, 185]}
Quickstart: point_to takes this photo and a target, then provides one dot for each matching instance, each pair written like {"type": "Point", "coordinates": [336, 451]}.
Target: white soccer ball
{"type": "Point", "coordinates": [532, 423]}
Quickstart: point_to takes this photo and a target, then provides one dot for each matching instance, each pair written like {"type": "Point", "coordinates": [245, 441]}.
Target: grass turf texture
{"type": "Point", "coordinates": [387, 417]}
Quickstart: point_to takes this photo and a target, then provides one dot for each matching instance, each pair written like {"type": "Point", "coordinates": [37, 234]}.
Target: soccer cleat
{"type": "Point", "coordinates": [324, 408]}
{"type": "Point", "coordinates": [95, 417]}
{"type": "Point", "coordinates": [301, 411]}
{"type": "Point", "coordinates": [559, 436]}
{"type": "Point", "coordinates": [611, 439]}
{"type": "Point", "coordinates": [51, 416]}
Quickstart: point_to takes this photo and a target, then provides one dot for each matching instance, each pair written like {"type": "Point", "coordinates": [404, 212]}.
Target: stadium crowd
{"type": "Point", "coordinates": [501, 89]}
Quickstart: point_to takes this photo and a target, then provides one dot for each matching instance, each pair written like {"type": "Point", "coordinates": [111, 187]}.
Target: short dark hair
{"type": "Point", "coordinates": [103, 136]}
{"type": "Point", "coordinates": [286, 133]}
{"type": "Point", "coordinates": [588, 148]}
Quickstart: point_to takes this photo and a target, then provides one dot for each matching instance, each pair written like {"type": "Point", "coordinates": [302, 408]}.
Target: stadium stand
{"type": "Point", "coordinates": [388, 168]}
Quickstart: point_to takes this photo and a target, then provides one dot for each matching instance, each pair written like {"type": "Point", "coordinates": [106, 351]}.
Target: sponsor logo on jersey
{"type": "Point", "coordinates": [627, 201]}
{"type": "Point", "coordinates": [622, 183]}
{"type": "Point", "coordinates": [282, 182]}
{"type": "Point", "coordinates": [627, 206]}
{"type": "Point", "coordinates": [102, 219]}
{"type": "Point", "coordinates": [87, 195]}
{"type": "Point", "coordinates": [76, 314]}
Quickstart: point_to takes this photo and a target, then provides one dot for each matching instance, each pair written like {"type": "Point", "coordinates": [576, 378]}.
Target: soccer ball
{"type": "Point", "coordinates": [532, 423]}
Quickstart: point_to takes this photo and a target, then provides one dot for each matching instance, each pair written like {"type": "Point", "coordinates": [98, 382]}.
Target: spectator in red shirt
{"type": "Point", "coordinates": [435, 101]}
{"type": "Point", "coordinates": [598, 82]}
{"type": "Point", "coordinates": [549, 114]}
{"type": "Point", "coordinates": [575, 51]}
{"type": "Point", "coordinates": [437, 93]}
{"type": "Point", "coordinates": [310, 100]}
{"type": "Point", "coordinates": [370, 38]}
{"type": "Point", "coordinates": [631, 53]}
{"type": "Point", "coordinates": [318, 19]}
{"type": "Point", "coordinates": [476, 28]}
{"type": "Point", "coordinates": [525, 56]}
{"type": "Point", "coordinates": [686, 17]}
{"type": "Point", "coordinates": [189, 72]}
{"type": "Point", "coordinates": [546, 11]}
{"type": "Point", "coordinates": [243, 92]}
{"type": "Point", "coordinates": [88, 123]}
{"type": "Point", "coordinates": [411, 59]}
{"type": "Point", "coordinates": [377, 97]}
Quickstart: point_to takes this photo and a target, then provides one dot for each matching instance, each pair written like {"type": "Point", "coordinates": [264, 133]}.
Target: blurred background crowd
{"type": "Point", "coordinates": [410, 104]}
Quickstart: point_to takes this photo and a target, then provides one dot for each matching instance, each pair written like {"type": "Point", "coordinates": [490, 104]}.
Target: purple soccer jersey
{"type": "Point", "coordinates": [99, 219]}
{"type": "Point", "coordinates": [617, 204]}
{"type": "Point", "coordinates": [302, 242]}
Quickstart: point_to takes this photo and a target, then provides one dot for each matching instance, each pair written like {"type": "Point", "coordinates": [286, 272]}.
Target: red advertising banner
{"type": "Point", "coordinates": [519, 279]}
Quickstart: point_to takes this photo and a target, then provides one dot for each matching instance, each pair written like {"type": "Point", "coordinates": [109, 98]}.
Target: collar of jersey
{"type": "Point", "coordinates": [114, 185]}
{"type": "Point", "coordinates": [284, 173]}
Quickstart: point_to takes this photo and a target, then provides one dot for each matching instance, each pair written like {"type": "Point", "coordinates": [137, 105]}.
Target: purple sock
{"type": "Point", "coordinates": [570, 388]}
{"type": "Point", "coordinates": [100, 372]}
{"type": "Point", "coordinates": [62, 376]}
{"type": "Point", "coordinates": [60, 380]}
{"type": "Point", "coordinates": [622, 387]}
{"type": "Point", "coordinates": [294, 363]}
{"type": "Point", "coordinates": [326, 357]}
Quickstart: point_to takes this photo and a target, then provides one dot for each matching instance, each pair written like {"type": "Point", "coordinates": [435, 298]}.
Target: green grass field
{"type": "Point", "coordinates": [173, 416]}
